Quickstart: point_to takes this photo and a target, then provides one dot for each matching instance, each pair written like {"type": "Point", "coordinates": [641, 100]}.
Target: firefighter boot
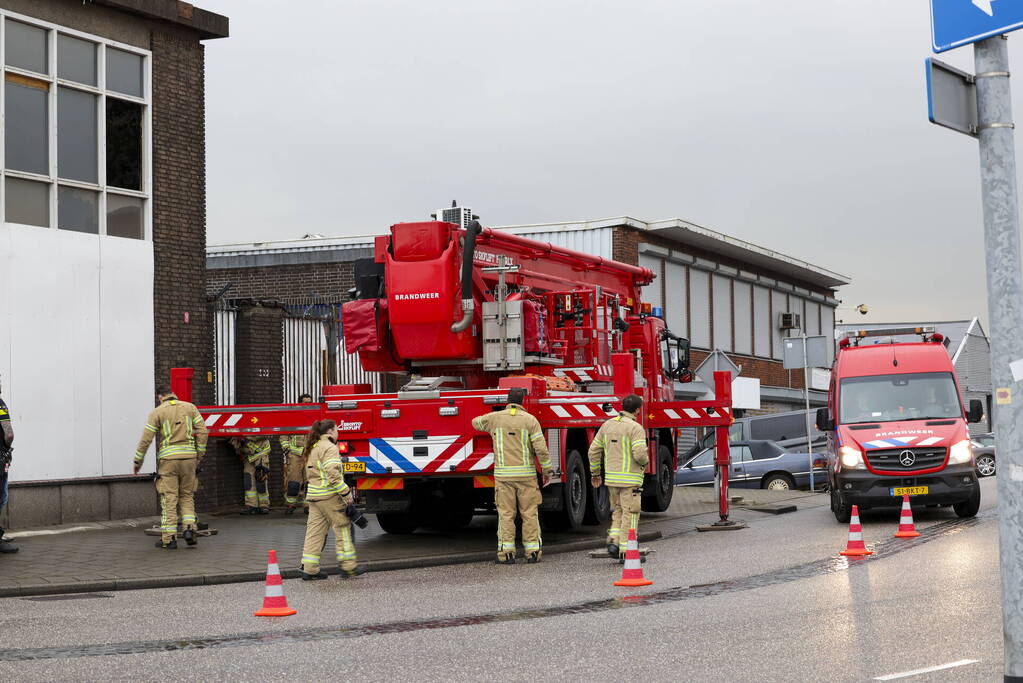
{"type": "Point", "coordinates": [612, 550]}
{"type": "Point", "coordinates": [173, 545]}
{"type": "Point", "coordinates": [352, 573]}
{"type": "Point", "coordinates": [6, 546]}
{"type": "Point", "coordinates": [318, 576]}
{"type": "Point", "coordinates": [533, 558]}
{"type": "Point", "coordinates": [290, 510]}
{"type": "Point", "coordinates": [189, 537]}
{"type": "Point", "coordinates": [507, 558]}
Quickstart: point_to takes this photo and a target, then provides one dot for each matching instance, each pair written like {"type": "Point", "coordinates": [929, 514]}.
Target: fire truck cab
{"type": "Point", "coordinates": [896, 425]}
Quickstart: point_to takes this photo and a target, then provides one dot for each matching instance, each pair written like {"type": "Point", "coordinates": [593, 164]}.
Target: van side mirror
{"type": "Point", "coordinates": [976, 411]}
{"type": "Point", "coordinates": [824, 421]}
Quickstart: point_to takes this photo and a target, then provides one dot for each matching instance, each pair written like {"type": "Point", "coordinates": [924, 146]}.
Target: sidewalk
{"type": "Point", "coordinates": [119, 556]}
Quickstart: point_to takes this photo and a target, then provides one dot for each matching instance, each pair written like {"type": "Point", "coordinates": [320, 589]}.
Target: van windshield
{"type": "Point", "coordinates": [886, 398]}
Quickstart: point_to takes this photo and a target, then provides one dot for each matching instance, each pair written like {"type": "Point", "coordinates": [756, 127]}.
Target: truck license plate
{"type": "Point", "coordinates": [910, 490]}
{"type": "Point", "coordinates": [355, 467]}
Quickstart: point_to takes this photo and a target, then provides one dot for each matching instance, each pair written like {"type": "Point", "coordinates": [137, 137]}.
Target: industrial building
{"type": "Point", "coordinates": [102, 278]}
{"type": "Point", "coordinates": [719, 291]}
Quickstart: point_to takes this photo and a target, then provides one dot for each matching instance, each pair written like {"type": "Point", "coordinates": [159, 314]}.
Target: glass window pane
{"type": "Point", "coordinates": [124, 72]}
{"type": "Point", "coordinates": [27, 202]}
{"type": "Point", "coordinates": [26, 138]}
{"type": "Point", "coordinates": [26, 47]}
{"type": "Point", "coordinates": [124, 216]}
{"type": "Point", "coordinates": [76, 59]}
{"type": "Point", "coordinates": [77, 135]}
{"type": "Point", "coordinates": [124, 144]}
{"type": "Point", "coordinates": [78, 210]}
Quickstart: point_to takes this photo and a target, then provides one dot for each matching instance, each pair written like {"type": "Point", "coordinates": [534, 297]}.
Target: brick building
{"type": "Point", "coordinates": [104, 191]}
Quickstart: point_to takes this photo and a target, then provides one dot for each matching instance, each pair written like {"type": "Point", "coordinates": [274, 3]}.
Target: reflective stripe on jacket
{"type": "Point", "coordinates": [324, 471]}
{"type": "Point", "coordinates": [517, 437]}
{"type": "Point", "coordinates": [293, 444]}
{"type": "Point", "coordinates": [179, 429]}
{"type": "Point", "coordinates": [254, 448]}
{"type": "Point", "coordinates": [622, 442]}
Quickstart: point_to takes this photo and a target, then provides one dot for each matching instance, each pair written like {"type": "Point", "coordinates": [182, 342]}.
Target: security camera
{"type": "Point", "coordinates": [862, 308]}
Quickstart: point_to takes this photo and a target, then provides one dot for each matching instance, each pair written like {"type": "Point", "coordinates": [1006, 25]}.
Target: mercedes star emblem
{"type": "Point", "coordinates": [907, 458]}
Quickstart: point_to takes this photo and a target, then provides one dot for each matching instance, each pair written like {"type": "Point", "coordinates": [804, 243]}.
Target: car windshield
{"type": "Point", "coordinates": [885, 398]}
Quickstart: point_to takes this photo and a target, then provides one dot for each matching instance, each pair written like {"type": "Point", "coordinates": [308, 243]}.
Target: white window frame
{"type": "Point", "coordinates": [51, 179]}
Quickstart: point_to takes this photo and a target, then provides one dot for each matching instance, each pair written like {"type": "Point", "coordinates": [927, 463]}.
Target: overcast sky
{"type": "Point", "coordinates": [799, 126]}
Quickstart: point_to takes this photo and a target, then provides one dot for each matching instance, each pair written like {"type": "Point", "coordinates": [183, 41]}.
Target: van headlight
{"type": "Point", "coordinates": [852, 458]}
{"type": "Point", "coordinates": [960, 453]}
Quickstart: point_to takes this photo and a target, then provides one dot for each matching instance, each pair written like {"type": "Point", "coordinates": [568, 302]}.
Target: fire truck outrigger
{"type": "Point", "coordinates": [466, 313]}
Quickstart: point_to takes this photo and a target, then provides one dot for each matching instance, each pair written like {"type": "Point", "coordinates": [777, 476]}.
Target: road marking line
{"type": "Point", "coordinates": [917, 672]}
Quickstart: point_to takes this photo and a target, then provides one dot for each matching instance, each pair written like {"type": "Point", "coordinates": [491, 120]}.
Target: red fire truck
{"type": "Point", "coordinates": [462, 313]}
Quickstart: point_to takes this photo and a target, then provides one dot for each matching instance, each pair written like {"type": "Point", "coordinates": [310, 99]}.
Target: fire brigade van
{"type": "Point", "coordinates": [896, 425]}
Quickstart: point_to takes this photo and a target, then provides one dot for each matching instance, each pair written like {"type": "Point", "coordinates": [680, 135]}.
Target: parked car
{"type": "Point", "coordinates": [788, 429]}
{"type": "Point", "coordinates": [755, 465]}
{"type": "Point", "coordinates": [984, 454]}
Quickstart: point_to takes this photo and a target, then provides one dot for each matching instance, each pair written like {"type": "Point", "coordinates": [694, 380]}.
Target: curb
{"type": "Point", "coordinates": [109, 585]}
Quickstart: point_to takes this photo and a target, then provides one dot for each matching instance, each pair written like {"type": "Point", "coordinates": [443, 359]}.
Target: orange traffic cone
{"type": "Point", "coordinates": [906, 528]}
{"type": "Point", "coordinates": [632, 575]}
{"type": "Point", "coordinates": [274, 602]}
{"type": "Point", "coordinates": [855, 546]}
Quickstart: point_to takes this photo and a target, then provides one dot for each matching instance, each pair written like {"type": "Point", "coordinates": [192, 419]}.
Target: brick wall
{"type": "Point", "coordinates": [771, 373]}
{"type": "Point", "coordinates": [179, 210]}
{"type": "Point", "coordinates": [328, 280]}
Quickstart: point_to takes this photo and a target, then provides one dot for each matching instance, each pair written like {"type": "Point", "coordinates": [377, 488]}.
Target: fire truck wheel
{"type": "Point", "coordinates": [573, 494]}
{"type": "Point", "coordinates": [662, 485]}
{"type": "Point", "coordinates": [398, 522]}
{"type": "Point", "coordinates": [452, 517]}
{"type": "Point", "coordinates": [970, 506]}
{"type": "Point", "coordinates": [598, 507]}
{"type": "Point", "coordinates": [840, 507]}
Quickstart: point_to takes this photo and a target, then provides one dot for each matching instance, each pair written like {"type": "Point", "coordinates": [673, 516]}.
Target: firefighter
{"type": "Point", "coordinates": [6, 453]}
{"type": "Point", "coordinates": [293, 447]}
{"type": "Point", "coordinates": [254, 452]}
{"type": "Point", "coordinates": [517, 439]}
{"type": "Point", "coordinates": [181, 444]}
{"type": "Point", "coordinates": [621, 444]}
{"type": "Point", "coordinates": [329, 497]}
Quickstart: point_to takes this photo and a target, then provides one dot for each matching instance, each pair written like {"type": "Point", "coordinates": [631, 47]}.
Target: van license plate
{"type": "Point", "coordinates": [910, 490]}
{"type": "Point", "coordinates": [357, 467]}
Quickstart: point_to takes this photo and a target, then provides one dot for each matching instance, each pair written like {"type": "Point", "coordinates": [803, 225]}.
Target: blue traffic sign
{"type": "Point", "coordinates": [955, 23]}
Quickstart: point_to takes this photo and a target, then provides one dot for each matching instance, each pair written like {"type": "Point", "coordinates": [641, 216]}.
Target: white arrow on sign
{"type": "Point", "coordinates": [984, 6]}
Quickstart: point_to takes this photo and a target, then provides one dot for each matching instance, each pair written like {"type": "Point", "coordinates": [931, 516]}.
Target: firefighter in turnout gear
{"type": "Point", "coordinates": [621, 444]}
{"type": "Point", "coordinates": [255, 454]}
{"type": "Point", "coordinates": [517, 439]}
{"type": "Point", "coordinates": [293, 447]}
{"type": "Point", "coordinates": [329, 497]}
{"type": "Point", "coordinates": [180, 445]}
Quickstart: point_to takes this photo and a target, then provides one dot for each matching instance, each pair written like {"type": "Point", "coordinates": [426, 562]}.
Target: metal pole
{"type": "Point", "coordinates": [1005, 297]}
{"type": "Point", "coordinates": [806, 398]}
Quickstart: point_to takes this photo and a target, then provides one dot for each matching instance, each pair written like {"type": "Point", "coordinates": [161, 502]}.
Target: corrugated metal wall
{"type": "Point", "coordinates": [652, 293]}
{"type": "Point", "coordinates": [699, 308]}
{"type": "Point", "coordinates": [742, 311]}
{"type": "Point", "coordinates": [722, 289]}
{"type": "Point", "coordinates": [677, 294]}
{"type": "Point", "coordinates": [973, 366]}
{"type": "Point", "coordinates": [224, 319]}
{"type": "Point", "coordinates": [596, 242]}
{"type": "Point", "coordinates": [304, 358]}
{"type": "Point", "coordinates": [762, 308]}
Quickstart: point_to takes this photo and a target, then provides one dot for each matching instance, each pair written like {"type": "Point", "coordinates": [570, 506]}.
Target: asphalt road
{"type": "Point", "coordinates": [771, 603]}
